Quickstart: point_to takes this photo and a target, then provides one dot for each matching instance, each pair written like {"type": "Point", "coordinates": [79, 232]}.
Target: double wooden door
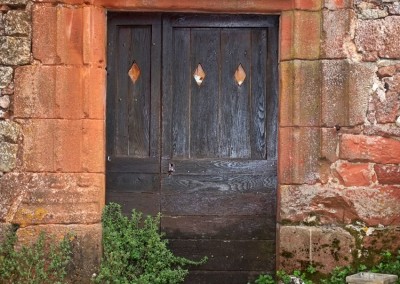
{"type": "Point", "coordinates": [191, 133]}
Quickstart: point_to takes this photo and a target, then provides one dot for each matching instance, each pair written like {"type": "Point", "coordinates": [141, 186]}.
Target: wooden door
{"type": "Point", "coordinates": [213, 177]}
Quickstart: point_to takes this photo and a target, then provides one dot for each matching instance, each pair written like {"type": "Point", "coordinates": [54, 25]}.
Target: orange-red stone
{"type": "Point", "coordinates": [370, 148]}
{"type": "Point", "coordinates": [351, 174]}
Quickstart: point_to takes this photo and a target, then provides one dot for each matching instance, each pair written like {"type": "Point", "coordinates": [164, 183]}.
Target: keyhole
{"type": "Point", "coordinates": [171, 169]}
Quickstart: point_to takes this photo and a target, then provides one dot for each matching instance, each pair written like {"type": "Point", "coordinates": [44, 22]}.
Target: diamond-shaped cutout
{"type": "Point", "coordinates": [199, 75]}
{"type": "Point", "coordinates": [134, 72]}
{"type": "Point", "coordinates": [240, 75]}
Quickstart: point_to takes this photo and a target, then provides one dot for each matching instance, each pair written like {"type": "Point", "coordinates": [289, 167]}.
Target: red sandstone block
{"type": "Point", "coordinates": [93, 152]}
{"type": "Point", "coordinates": [344, 89]}
{"type": "Point", "coordinates": [387, 108]}
{"type": "Point", "coordinates": [334, 103]}
{"type": "Point", "coordinates": [94, 35]}
{"type": "Point", "coordinates": [38, 149]}
{"type": "Point", "coordinates": [94, 93]}
{"type": "Point", "coordinates": [12, 186]}
{"type": "Point", "coordinates": [382, 239]}
{"type": "Point", "coordinates": [44, 33]}
{"type": "Point", "coordinates": [328, 205]}
{"type": "Point", "coordinates": [68, 145]}
{"type": "Point", "coordinates": [294, 247]}
{"type": "Point", "coordinates": [300, 93]}
{"type": "Point", "coordinates": [360, 82]}
{"type": "Point", "coordinates": [58, 198]}
{"type": "Point", "coordinates": [299, 155]}
{"type": "Point", "coordinates": [71, 35]}
{"type": "Point", "coordinates": [232, 6]}
{"type": "Point", "coordinates": [386, 71]}
{"type": "Point", "coordinates": [351, 174]}
{"type": "Point", "coordinates": [35, 92]}
{"type": "Point", "coordinates": [71, 2]}
{"type": "Point", "coordinates": [336, 27]}
{"type": "Point", "coordinates": [302, 35]}
{"type": "Point", "coordinates": [393, 83]}
{"type": "Point", "coordinates": [384, 206]}
{"type": "Point", "coordinates": [338, 205]}
{"type": "Point", "coordinates": [329, 144]}
{"type": "Point", "coordinates": [313, 5]}
{"type": "Point", "coordinates": [388, 174]}
{"type": "Point", "coordinates": [378, 38]}
{"type": "Point", "coordinates": [331, 247]}
{"type": "Point", "coordinates": [369, 148]}
{"type": "Point", "coordinates": [338, 4]}
{"type": "Point", "coordinates": [286, 35]}
{"type": "Point", "coordinates": [59, 92]}
{"type": "Point", "coordinates": [69, 92]}
{"type": "Point", "coordinates": [307, 35]}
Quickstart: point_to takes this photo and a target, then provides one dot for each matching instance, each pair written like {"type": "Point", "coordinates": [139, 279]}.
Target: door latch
{"type": "Point", "coordinates": [171, 169]}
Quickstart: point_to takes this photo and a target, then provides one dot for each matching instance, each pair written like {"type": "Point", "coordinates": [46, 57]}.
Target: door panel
{"type": "Point", "coordinates": [211, 168]}
{"type": "Point", "coordinates": [216, 137]}
{"type": "Point", "coordinates": [133, 112]}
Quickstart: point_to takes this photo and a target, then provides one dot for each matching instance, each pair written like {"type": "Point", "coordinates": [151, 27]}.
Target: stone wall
{"type": "Point", "coordinates": [52, 125]}
{"type": "Point", "coordinates": [15, 45]}
{"type": "Point", "coordinates": [340, 153]}
{"type": "Point", "coordinates": [339, 126]}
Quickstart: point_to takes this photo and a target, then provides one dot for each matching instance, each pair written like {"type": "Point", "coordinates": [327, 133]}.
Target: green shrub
{"type": "Point", "coordinates": [41, 263]}
{"type": "Point", "coordinates": [134, 251]}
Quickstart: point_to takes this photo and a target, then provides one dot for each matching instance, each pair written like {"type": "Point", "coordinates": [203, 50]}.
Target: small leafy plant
{"type": "Point", "coordinates": [389, 263]}
{"type": "Point", "coordinates": [41, 263]}
{"type": "Point", "coordinates": [134, 251]}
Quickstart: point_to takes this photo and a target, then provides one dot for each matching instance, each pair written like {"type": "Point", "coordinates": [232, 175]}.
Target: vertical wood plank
{"type": "Point", "coordinates": [204, 98]}
{"type": "Point", "coordinates": [155, 79]}
{"type": "Point", "coordinates": [111, 87]}
{"type": "Point", "coordinates": [234, 124]}
{"type": "Point", "coordinates": [167, 88]}
{"type": "Point", "coordinates": [139, 92]}
{"type": "Point", "coordinates": [123, 47]}
{"type": "Point", "coordinates": [182, 77]}
{"type": "Point", "coordinates": [272, 94]}
{"type": "Point", "coordinates": [258, 93]}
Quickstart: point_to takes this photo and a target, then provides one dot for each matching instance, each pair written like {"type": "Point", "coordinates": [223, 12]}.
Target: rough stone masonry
{"type": "Point", "coordinates": [339, 126]}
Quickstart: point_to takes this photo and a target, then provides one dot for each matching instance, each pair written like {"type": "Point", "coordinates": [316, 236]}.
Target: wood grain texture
{"type": "Point", "coordinates": [218, 183]}
{"type": "Point", "coordinates": [182, 78]}
{"type": "Point", "coordinates": [139, 93]}
{"type": "Point", "coordinates": [204, 99]}
{"type": "Point", "coordinates": [220, 166]}
{"type": "Point", "coordinates": [234, 126]}
{"type": "Point", "coordinates": [258, 93]}
{"type": "Point", "coordinates": [272, 94]}
{"type": "Point", "coordinates": [220, 227]}
{"type": "Point", "coordinates": [122, 91]}
{"type": "Point", "coordinates": [131, 182]}
{"type": "Point", "coordinates": [228, 255]}
{"type": "Point", "coordinates": [223, 277]}
{"type": "Point", "coordinates": [133, 165]}
{"type": "Point", "coordinates": [220, 204]}
{"type": "Point", "coordinates": [147, 203]}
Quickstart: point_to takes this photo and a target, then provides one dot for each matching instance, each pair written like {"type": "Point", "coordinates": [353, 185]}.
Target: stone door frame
{"type": "Point", "coordinates": [63, 94]}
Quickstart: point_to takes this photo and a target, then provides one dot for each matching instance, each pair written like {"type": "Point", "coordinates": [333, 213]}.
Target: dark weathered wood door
{"type": "Point", "coordinates": [191, 133]}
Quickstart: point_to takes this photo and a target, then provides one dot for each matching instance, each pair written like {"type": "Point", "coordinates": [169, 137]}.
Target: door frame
{"type": "Point", "coordinates": [291, 45]}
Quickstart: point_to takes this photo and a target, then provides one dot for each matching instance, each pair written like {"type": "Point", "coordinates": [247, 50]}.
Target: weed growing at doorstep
{"type": "Point", "coordinates": [389, 264]}
{"type": "Point", "coordinates": [41, 263]}
{"type": "Point", "coordinates": [135, 252]}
